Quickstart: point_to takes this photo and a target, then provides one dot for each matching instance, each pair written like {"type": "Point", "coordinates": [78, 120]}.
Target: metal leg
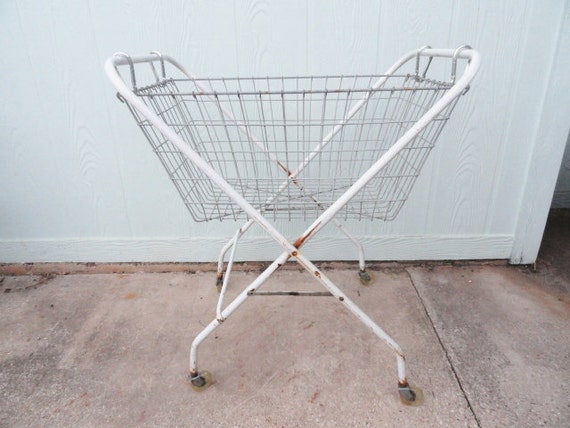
{"type": "Point", "coordinates": [356, 242]}
{"type": "Point", "coordinates": [225, 249]}
{"type": "Point", "coordinates": [226, 278]}
{"type": "Point", "coordinates": [365, 319]}
{"type": "Point", "coordinates": [201, 379]}
{"type": "Point", "coordinates": [366, 277]}
{"type": "Point", "coordinates": [197, 378]}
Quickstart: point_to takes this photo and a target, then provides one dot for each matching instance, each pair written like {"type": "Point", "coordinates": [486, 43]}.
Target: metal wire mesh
{"type": "Point", "coordinates": [287, 145]}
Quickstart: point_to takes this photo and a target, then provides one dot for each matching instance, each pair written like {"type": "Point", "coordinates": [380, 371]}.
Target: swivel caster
{"type": "Point", "coordinates": [201, 381]}
{"type": "Point", "coordinates": [366, 277]}
{"type": "Point", "coordinates": [410, 396]}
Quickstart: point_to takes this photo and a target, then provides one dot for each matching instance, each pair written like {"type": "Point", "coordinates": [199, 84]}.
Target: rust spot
{"type": "Point", "coordinates": [294, 253]}
{"type": "Point", "coordinates": [317, 274]}
{"type": "Point", "coordinates": [301, 239]}
{"type": "Point", "coordinates": [130, 296]}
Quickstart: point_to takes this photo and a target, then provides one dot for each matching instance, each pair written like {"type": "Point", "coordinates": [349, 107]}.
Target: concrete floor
{"type": "Point", "coordinates": [489, 344]}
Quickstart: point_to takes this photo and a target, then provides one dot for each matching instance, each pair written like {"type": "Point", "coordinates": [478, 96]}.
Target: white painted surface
{"type": "Point", "coordinates": [79, 183]}
{"type": "Point", "coordinates": [547, 148]}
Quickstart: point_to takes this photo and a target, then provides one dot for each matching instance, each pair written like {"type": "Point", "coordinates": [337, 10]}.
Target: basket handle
{"type": "Point", "coordinates": [131, 66]}
{"type": "Point", "coordinates": [159, 55]}
{"type": "Point", "coordinates": [430, 58]}
{"type": "Point", "coordinates": [420, 50]}
{"type": "Point", "coordinates": [454, 61]}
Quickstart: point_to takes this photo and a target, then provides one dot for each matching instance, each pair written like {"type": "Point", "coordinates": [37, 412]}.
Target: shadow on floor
{"type": "Point", "coordinates": [553, 262]}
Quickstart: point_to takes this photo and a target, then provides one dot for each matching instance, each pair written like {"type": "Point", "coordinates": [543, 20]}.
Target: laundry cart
{"type": "Point", "coordinates": [314, 149]}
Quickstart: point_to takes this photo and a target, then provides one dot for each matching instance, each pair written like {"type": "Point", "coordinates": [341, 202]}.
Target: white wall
{"type": "Point", "coordinates": [79, 183]}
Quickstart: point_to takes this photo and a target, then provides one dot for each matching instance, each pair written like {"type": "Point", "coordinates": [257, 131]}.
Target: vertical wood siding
{"type": "Point", "coordinates": [79, 183]}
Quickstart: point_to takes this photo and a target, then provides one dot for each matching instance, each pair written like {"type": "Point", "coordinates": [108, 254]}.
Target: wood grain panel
{"type": "Point", "coordinates": [78, 178]}
{"type": "Point", "coordinates": [551, 128]}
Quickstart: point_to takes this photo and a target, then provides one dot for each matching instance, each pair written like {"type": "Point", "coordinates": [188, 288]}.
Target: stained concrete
{"type": "Point", "coordinates": [489, 344]}
{"type": "Point", "coordinates": [93, 350]}
{"type": "Point", "coordinates": [507, 340]}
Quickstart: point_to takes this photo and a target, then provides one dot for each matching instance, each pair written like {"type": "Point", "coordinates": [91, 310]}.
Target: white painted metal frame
{"type": "Point", "coordinates": [292, 250]}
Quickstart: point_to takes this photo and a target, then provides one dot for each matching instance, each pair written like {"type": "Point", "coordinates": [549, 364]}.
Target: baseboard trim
{"type": "Point", "coordinates": [254, 248]}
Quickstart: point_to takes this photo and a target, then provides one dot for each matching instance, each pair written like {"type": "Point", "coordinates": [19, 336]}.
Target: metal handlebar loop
{"type": "Point", "coordinates": [420, 50]}
{"type": "Point", "coordinates": [159, 55]}
{"type": "Point", "coordinates": [131, 66]}
{"type": "Point", "coordinates": [454, 61]}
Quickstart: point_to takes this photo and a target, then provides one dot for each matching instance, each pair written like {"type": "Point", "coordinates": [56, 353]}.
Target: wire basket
{"type": "Point", "coordinates": [292, 145]}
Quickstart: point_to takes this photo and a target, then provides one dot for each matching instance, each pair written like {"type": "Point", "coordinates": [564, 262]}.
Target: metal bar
{"type": "Point", "coordinates": [236, 303]}
{"type": "Point", "coordinates": [468, 54]}
{"type": "Point", "coordinates": [299, 92]}
{"type": "Point", "coordinates": [226, 247]}
{"type": "Point", "coordinates": [291, 293]}
{"type": "Point", "coordinates": [227, 275]}
{"type": "Point", "coordinates": [356, 311]}
{"type": "Point", "coordinates": [355, 241]}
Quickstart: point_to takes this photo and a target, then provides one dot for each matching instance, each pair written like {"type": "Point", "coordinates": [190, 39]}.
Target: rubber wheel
{"type": "Point", "coordinates": [366, 277]}
{"type": "Point", "coordinates": [201, 382]}
{"type": "Point", "coordinates": [411, 396]}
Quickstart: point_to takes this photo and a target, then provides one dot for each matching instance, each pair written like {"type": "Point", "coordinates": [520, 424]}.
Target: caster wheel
{"type": "Point", "coordinates": [366, 277]}
{"type": "Point", "coordinates": [201, 381]}
{"type": "Point", "coordinates": [411, 396]}
{"type": "Point", "coordinates": [219, 282]}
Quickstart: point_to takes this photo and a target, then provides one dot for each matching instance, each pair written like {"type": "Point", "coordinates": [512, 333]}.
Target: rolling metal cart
{"type": "Point", "coordinates": [322, 149]}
